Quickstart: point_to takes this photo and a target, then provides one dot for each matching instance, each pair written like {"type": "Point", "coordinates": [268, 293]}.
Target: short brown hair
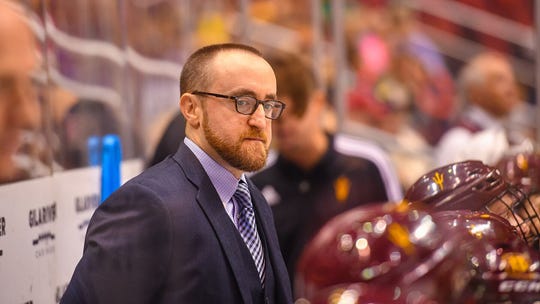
{"type": "Point", "coordinates": [195, 75]}
{"type": "Point", "coordinates": [295, 79]}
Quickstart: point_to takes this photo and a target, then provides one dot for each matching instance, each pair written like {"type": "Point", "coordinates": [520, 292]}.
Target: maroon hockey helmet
{"type": "Point", "coordinates": [503, 268]}
{"type": "Point", "coordinates": [522, 169]}
{"type": "Point", "coordinates": [392, 245]}
{"type": "Point", "coordinates": [356, 293]}
{"type": "Point", "coordinates": [513, 275]}
{"type": "Point", "coordinates": [326, 259]}
{"type": "Point", "coordinates": [479, 225]}
{"type": "Point", "coordinates": [472, 185]}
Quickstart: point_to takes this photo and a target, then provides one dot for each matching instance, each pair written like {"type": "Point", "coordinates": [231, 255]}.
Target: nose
{"type": "Point", "coordinates": [258, 119]}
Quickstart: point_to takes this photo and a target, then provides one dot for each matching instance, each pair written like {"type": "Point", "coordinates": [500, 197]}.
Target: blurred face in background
{"type": "Point", "coordinates": [294, 132]}
{"type": "Point", "coordinates": [19, 105]}
{"type": "Point", "coordinates": [300, 125]}
{"type": "Point", "coordinates": [498, 91]}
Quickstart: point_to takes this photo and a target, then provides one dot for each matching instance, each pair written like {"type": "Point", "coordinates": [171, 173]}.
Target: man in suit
{"type": "Point", "coordinates": [173, 234]}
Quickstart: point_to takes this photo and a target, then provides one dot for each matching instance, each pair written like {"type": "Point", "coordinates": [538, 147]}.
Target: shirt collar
{"type": "Point", "coordinates": [482, 118]}
{"type": "Point", "coordinates": [224, 181]}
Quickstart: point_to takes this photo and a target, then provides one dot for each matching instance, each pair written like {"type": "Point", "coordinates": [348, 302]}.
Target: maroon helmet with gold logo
{"type": "Point", "coordinates": [503, 268]}
{"type": "Point", "coordinates": [398, 254]}
{"type": "Point", "coordinates": [472, 185]}
{"type": "Point", "coordinates": [522, 169]}
{"type": "Point", "coordinates": [357, 293]}
{"type": "Point", "coordinates": [386, 245]}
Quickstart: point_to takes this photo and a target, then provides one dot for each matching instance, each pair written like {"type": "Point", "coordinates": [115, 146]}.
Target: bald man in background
{"type": "Point", "coordinates": [20, 112]}
{"type": "Point", "coordinates": [488, 91]}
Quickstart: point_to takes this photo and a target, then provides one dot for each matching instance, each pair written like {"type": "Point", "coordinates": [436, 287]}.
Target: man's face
{"type": "Point", "coordinates": [293, 133]}
{"type": "Point", "coordinates": [233, 139]}
{"type": "Point", "coordinates": [19, 106]}
{"type": "Point", "coordinates": [500, 88]}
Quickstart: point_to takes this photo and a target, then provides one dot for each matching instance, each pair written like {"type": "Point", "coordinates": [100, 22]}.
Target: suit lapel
{"type": "Point", "coordinates": [209, 201]}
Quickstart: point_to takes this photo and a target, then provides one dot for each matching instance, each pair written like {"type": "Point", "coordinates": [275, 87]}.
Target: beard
{"type": "Point", "coordinates": [248, 159]}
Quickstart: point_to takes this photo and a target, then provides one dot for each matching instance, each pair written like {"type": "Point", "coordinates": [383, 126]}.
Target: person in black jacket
{"type": "Point", "coordinates": [310, 181]}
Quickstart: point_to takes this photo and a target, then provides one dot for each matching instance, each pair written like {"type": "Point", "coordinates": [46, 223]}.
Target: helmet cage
{"type": "Point", "coordinates": [472, 185]}
{"type": "Point", "coordinates": [515, 206]}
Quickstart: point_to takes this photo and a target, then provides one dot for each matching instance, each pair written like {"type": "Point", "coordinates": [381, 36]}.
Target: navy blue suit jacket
{"type": "Point", "coordinates": [164, 237]}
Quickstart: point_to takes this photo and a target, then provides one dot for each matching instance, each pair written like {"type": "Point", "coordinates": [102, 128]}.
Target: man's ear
{"type": "Point", "coordinates": [191, 109]}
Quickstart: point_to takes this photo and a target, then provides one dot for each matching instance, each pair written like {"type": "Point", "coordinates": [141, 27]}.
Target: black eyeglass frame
{"type": "Point", "coordinates": [236, 99]}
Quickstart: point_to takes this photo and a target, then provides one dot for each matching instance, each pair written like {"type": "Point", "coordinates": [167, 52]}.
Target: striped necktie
{"type": "Point", "coordinates": [248, 228]}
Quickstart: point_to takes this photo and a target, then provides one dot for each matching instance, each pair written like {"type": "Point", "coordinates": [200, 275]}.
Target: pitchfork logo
{"type": "Point", "coordinates": [439, 180]}
{"type": "Point", "coordinates": [515, 262]}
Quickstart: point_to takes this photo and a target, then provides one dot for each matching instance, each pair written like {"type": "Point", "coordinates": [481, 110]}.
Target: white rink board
{"type": "Point", "coordinates": [42, 226]}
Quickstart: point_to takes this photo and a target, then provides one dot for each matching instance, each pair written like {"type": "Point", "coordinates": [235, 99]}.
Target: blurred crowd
{"type": "Point", "coordinates": [429, 135]}
{"type": "Point", "coordinates": [406, 93]}
{"type": "Point", "coordinates": [404, 87]}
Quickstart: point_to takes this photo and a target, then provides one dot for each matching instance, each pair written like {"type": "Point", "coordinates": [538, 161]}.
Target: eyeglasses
{"type": "Point", "coordinates": [247, 105]}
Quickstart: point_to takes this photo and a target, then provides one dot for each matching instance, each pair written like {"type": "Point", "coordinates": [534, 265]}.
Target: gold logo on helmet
{"type": "Point", "coordinates": [342, 187]}
{"type": "Point", "coordinates": [515, 262]}
{"type": "Point", "coordinates": [403, 206]}
{"type": "Point", "coordinates": [522, 162]}
{"type": "Point", "coordinates": [439, 179]}
{"type": "Point", "coordinates": [399, 235]}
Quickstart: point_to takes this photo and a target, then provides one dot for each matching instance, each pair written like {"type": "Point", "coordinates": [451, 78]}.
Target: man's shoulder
{"type": "Point", "coordinates": [357, 147]}
{"type": "Point", "coordinates": [160, 176]}
{"type": "Point", "coordinates": [361, 151]}
{"type": "Point", "coordinates": [267, 175]}
{"type": "Point", "coordinates": [351, 163]}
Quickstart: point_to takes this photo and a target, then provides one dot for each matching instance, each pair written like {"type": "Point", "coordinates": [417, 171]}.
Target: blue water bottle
{"type": "Point", "coordinates": [111, 158]}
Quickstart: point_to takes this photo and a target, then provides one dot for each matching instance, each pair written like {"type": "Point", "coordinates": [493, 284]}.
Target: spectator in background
{"type": "Point", "coordinates": [76, 121]}
{"type": "Point", "coordinates": [388, 40]}
{"type": "Point", "coordinates": [402, 90]}
{"type": "Point", "coordinates": [489, 95]}
{"type": "Point", "coordinates": [426, 75]}
{"type": "Point", "coordinates": [84, 120]}
{"type": "Point", "coordinates": [388, 106]}
{"type": "Point", "coordinates": [20, 109]}
{"type": "Point", "coordinates": [311, 181]}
